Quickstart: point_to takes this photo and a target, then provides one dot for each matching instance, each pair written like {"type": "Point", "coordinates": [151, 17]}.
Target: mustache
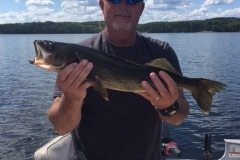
{"type": "Point", "coordinates": [122, 13]}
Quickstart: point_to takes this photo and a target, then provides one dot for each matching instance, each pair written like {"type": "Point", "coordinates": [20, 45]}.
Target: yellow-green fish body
{"type": "Point", "coordinates": [111, 72]}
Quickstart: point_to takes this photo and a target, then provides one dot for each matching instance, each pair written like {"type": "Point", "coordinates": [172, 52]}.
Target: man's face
{"type": "Point", "coordinates": [121, 16]}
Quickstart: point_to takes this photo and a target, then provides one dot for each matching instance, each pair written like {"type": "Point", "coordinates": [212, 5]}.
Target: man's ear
{"type": "Point", "coordinates": [101, 4]}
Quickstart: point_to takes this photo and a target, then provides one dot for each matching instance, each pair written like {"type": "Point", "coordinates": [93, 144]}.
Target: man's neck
{"type": "Point", "coordinates": [121, 39]}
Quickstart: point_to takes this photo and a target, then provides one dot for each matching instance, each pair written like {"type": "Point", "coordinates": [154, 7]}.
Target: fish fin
{"type": "Point", "coordinates": [97, 85]}
{"type": "Point", "coordinates": [163, 64]}
{"type": "Point", "coordinates": [204, 91]}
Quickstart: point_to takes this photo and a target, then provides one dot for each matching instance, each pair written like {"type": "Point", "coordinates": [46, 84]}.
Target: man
{"type": "Point", "coordinates": [127, 127]}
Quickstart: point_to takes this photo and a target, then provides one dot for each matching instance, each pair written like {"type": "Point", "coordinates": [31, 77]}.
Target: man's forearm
{"type": "Point", "coordinates": [64, 115]}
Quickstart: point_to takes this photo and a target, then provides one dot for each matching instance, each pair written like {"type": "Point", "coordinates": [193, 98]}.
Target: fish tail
{"type": "Point", "coordinates": [203, 92]}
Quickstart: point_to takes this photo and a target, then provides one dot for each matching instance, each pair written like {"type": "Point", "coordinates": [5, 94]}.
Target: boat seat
{"type": "Point", "coordinates": [60, 148]}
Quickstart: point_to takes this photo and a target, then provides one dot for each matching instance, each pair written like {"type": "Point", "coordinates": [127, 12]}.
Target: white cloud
{"type": "Point", "coordinates": [37, 9]}
{"type": "Point", "coordinates": [85, 6]}
{"type": "Point", "coordinates": [12, 17]}
{"type": "Point", "coordinates": [80, 2]}
{"type": "Point", "coordinates": [168, 4]}
{"type": "Point", "coordinates": [39, 3]}
{"type": "Point", "coordinates": [204, 13]}
{"type": "Point", "coordinates": [17, 1]}
{"type": "Point", "coordinates": [164, 13]}
{"type": "Point", "coordinates": [197, 14]}
{"type": "Point", "coordinates": [165, 10]}
{"type": "Point", "coordinates": [216, 2]}
{"type": "Point", "coordinates": [219, 10]}
{"type": "Point", "coordinates": [40, 11]}
{"type": "Point", "coordinates": [231, 13]}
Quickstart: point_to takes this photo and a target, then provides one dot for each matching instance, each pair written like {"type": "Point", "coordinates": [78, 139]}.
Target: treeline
{"type": "Point", "coordinates": [49, 28]}
{"type": "Point", "coordinates": [212, 25]}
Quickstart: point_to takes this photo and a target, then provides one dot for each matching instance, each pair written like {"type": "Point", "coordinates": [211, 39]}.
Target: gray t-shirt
{"type": "Point", "coordinates": [127, 127]}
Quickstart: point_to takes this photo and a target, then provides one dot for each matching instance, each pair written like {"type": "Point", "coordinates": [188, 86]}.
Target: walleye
{"type": "Point", "coordinates": [111, 72]}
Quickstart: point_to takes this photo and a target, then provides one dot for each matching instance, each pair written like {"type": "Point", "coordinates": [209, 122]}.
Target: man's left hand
{"type": "Point", "coordinates": [164, 95]}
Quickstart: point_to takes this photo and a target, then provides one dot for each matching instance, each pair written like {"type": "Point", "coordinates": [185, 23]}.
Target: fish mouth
{"type": "Point", "coordinates": [32, 61]}
{"type": "Point", "coordinates": [38, 49]}
{"type": "Point", "coordinates": [40, 54]}
{"type": "Point", "coordinates": [42, 57]}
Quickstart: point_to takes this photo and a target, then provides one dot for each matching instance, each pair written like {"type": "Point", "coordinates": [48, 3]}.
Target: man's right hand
{"type": "Point", "coordinates": [72, 80]}
{"type": "Point", "coordinates": [65, 112]}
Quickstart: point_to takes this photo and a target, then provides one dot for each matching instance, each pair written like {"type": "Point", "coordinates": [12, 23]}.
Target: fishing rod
{"type": "Point", "coordinates": [207, 148]}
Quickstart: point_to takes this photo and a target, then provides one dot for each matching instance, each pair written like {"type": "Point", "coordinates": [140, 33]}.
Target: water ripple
{"type": "Point", "coordinates": [26, 92]}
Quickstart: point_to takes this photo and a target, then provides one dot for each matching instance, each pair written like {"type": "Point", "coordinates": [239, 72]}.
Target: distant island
{"type": "Point", "coordinates": [209, 25]}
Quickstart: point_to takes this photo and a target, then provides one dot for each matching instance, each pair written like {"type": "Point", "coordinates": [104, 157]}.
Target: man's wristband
{"type": "Point", "coordinates": [168, 112]}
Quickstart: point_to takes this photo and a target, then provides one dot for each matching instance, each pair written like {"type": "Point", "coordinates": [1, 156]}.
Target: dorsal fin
{"type": "Point", "coordinates": [163, 64]}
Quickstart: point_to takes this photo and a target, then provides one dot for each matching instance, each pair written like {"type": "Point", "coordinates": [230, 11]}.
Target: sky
{"type": "Point", "coordinates": [20, 11]}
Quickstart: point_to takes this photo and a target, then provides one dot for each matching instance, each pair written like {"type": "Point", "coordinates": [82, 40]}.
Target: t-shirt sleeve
{"type": "Point", "coordinates": [171, 56]}
{"type": "Point", "coordinates": [160, 49]}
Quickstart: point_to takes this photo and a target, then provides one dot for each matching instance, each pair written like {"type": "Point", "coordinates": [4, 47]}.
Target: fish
{"type": "Point", "coordinates": [112, 72]}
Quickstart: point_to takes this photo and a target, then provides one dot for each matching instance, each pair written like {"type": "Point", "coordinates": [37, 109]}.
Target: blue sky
{"type": "Point", "coordinates": [20, 11]}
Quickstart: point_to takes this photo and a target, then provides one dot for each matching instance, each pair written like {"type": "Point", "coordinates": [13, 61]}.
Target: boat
{"type": "Point", "coordinates": [61, 148]}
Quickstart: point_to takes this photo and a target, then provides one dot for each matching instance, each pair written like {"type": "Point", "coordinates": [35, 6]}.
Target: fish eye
{"type": "Point", "coordinates": [49, 46]}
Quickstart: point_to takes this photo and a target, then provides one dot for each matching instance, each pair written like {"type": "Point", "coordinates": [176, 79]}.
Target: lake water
{"type": "Point", "coordinates": [26, 92]}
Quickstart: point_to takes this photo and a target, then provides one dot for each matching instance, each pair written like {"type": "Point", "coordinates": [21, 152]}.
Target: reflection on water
{"type": "Point", "coordinates": [26, 92]}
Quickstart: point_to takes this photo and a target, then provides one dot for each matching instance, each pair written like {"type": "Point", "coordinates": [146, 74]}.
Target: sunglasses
{"type": "Point", "coordinates": [130, 2]}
